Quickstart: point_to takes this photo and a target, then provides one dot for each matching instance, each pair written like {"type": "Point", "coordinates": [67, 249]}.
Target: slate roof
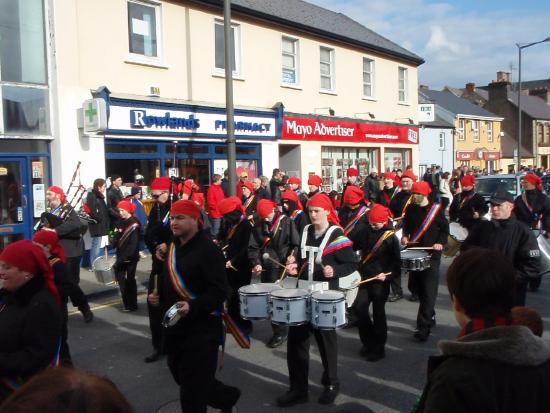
{"type": "Point", "coordinates": [534, 106]}
{"type": "Point", "coordinates": [535, 84]}
{"type": "Point", "coordinates": [318, 20]}
{"type": "Point", "coordinates": [456, 105]}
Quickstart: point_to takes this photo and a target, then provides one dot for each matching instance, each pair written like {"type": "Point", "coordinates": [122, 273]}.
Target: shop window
{"type": "Point", "coordinates": [196, 169]}
{"type": "Point", "coordinates": [396, 159]}
{"type": "Point", "coordinates": [368, 78]}
{"type": "Point", "coordinates": [125, 148]}
{"type": "Point", "coordinates": [22, 45]}
{"type": "Point", "coordinates": [290, 58]}
{"type": "Point", "coordinates": [241, 150]}
{"type": "Point", "coordinates": [144, 29]}
{"type": "Point", "coordinates": [220, 46]}
{"type": "Point", "coordinates": [130, 168]}
{"type": "Point", "coordinates": [335, 161]}
{"type": "Point", "coordinates": [187, 148]}
{"type": "Point", "coordinates": [402, 84]}
{"type": "Point", "coordinates": [327, 68]}
{"type": "Point", "coordinates": [25, 110]}
{"type": "Point", "coordinates": [23, 145]}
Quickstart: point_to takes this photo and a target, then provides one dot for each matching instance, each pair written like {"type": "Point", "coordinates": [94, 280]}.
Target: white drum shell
{"type": "Point", "coordinates": [103, 270]}
{"type": "Point", "coordinates": [254, 300]}
{"type": "Point", "coordinates": [290, 306]}
{"type": "Point", "coordinates": [328, 310]}
{"type": "Point", "coordinates": [415, 260]}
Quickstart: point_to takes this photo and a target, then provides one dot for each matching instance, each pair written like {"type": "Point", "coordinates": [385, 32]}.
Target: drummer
{"type": "Point", "coordinates": [276, 236]}
{"type": "Point", "coordinates": [250, 202]}
{"type": "Point", "coordinates": [380, 259]}
{"type": "Point", "coordinates": [425, 225]}
{"type": "Point", "coordinates": [468, 207]}
{"type": "Point", "coordinates": [390, 189]}
{"type": "Point", "coordinates": [355, 210]}
{"type": "Point", "coordinates": [338, 260]}
{"type": "Point", "coordinates": [293, 208]}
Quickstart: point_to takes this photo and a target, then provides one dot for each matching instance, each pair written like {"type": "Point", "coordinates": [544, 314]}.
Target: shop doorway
{"type": "Point", "coordinates": [15, 220]}
{"type": "Point", "coordinates": [290, 159]}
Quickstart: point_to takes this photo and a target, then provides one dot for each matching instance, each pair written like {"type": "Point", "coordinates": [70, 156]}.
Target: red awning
{"type": "Point", "coordinates": [465, 155]}
{"type": "Point", "coordinates": [491, 156]}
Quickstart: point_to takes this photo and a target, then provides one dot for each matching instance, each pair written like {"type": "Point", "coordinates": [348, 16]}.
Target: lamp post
{"type": "Point", "coordinates": [520, 48]}
{"type": "Point", "coordinates": [231, 141]}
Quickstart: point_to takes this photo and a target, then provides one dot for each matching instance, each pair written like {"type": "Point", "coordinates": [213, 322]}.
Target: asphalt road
{"type": "Point", "coordinates": [116, 343]}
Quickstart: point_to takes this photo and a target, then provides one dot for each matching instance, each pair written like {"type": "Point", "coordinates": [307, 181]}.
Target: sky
{"type": "Point", "coordinates": [460, 41]}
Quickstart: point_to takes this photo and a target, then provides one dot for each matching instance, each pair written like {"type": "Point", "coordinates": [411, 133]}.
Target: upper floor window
{"type": "Point", "coordinates": [220, 46]}
{"type": "Point", "coordinates": [290, 57]}
{"type": "Point", "coordinates": [442, 141]}
{"type": "Point", "coordinates": [460, 130]}
{"type": "Point", "coordinates": [368, 77]}
{"type": "Point", "coordinates": [475, 130]}
{"type": "Point", "coordinates": [144, 29]}
{"type": "Point", "coordinates": [540, 133]}
{"type": "Point", "coordinates": [489, 131]}
{"type": "Point", "coordinates": [327, 68]}
{"type": "Point", "coordinates": [402, 84]}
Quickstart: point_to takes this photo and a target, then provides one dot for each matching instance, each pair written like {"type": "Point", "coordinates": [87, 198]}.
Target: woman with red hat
{"type": "Point", "coordinates": [30, 315]}
{"type": "Point", "coordinates": [352, 175]}
{"type": "Point", "coordinates": [314, 183]}
{"type": "Point", "coordinates": [468, 207]}
{"type": "Point", "coordinates": [354, 210]}
{"type": "Point", "coordinates": [425, 225]}
{"type": "Point", "coordinates": [337, 259]}
{"type": "Point", "coordinates": [249, 200]}
{"type": "Point", "coordinates": [293, 208]}
{"type": "Point", "coordinates": [380, 255]}
{"type": "Point", "coordinates": [389, 190]}
{"type": "Point", "coordinates": [127, 254]}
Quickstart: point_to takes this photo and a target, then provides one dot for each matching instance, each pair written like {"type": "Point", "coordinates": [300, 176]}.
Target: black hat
{"type": "Point", "coordinates": [501, 196]}
{"type": "Point", "coordinates": [135, 190]}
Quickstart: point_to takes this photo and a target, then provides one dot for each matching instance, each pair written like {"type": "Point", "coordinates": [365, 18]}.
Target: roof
{"type": "Point", "coordinates": [439, 122]}
{"type": "Point", "coordinates": [321, 21]}
{"type": "Point", "coordinates": [534, 106]}
{"type": "Point", "coordinates": [457, 105]}
{"type": "Point", "coordinates": [535, 84]}
{"type": "Point", "coordinates": [508, 145]}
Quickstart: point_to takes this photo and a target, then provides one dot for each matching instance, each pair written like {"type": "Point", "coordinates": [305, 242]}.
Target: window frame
{"type": "Point", "coordinates": [332, 67]}
{"type": "Point", "coordinates": [442, 141]}
{"type": "Point", "coordinates": [296, 55]}
{"type": "Point", "coordinates": [372, 78]}
{"type": "Point", "coordinates": [460, 129]}
{"type": "Point", "coordinates": [141, 58]}
{"type": "Point", "coordinates": [237, 72]}
{"type": "Point", "coordinates": [475, 130]}
{"type": "Point", "coordinates": [490, 130]}
{"type": "Point", "coordinates": [405, 71]}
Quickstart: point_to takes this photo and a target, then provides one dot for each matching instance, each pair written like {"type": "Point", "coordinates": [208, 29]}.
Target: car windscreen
{"type": "Point", "coordinates": [487, 186]}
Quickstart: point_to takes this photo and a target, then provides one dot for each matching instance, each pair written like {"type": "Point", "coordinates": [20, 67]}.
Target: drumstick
{"type": "Point", "coordinates": [283, 275]}
{"type": "Point", "coordinates": [371, 279]}
{"type": "Point", "coordinates": [267, 257]}
{"type": "Point", "coordinates": [233, 268]}
{"type": "Point", "coordinates": [420, 248]}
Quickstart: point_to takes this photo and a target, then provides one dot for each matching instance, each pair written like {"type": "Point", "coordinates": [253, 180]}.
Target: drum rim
{"type": "Point", "coordinates": [315, 294]}
{"type": "Point", "coordinates": [304, 293]}
{"type": "Point", "coordinates": [276, 287]}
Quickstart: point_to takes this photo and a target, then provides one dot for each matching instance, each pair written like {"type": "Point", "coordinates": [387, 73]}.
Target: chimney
{"type": "Point", "coordinates": [498, 91]}
{"type": "Point", "coordinates": [424, 87]}
{"type": "Point", "coordinates": [470, 87]}
{"type": "Point", "coordinates": [504, 77]}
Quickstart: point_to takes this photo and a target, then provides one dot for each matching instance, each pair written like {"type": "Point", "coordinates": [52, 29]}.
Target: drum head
{"type": "Point", "coordinates": [103, 264]}
{"type": "Point", "coordinates": [458, 231]}
{"type": "Point", "coordinates": [261, 288]}
{"type": "Point", "coordinates": [410, 255]}
{"type": "Point", "coordinates": [328, 295]}
{"type": "Point", "coordinates": [289, 293]}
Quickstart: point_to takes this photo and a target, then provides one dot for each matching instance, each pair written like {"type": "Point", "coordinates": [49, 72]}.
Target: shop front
{"type": "Point", "coordinates": [329, 146]}
{"type": "Point", "coordinates": [147, 137]}
{"type": "Point", "coordinates": [479, 159]}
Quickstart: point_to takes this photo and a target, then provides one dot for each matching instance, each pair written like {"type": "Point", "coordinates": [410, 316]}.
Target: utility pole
{"type": "Point", "coordinates": [231, 141]}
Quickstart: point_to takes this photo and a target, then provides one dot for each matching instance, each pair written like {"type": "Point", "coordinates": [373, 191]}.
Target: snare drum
{"type": "Point", "coordinates": [290, 306]}
{"type": "Point", "coordinates": [172, 316]}
{"type": "Point", "coordinates": [415, 260]}
{"type": "Point", "coordinates": [254, 300]}
{"type": "Point", "coordinates": [328, 310]}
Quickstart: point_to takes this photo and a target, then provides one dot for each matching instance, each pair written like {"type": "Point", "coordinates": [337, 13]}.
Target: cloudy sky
{"type": "Point", "coordinates": [461, 40]}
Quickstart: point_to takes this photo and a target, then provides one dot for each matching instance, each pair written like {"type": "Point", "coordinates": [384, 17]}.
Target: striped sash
{"type": "Point", "coordinates": [362, 211]}
{"type": "Point", "coordinates": [126, 233]}
{"type": "Point", "coordinates": [341, 242]}
{"type": "Point", "coordinates": [428, 221]}
{"type": "Point", "coordinates": [273, 230]}
{"type": "Point", "coordinates": [378, 244]}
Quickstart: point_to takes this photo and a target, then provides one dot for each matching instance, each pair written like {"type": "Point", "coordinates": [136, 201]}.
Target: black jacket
{"type": "Point", "coordinates": [157, 232]}
{"type": "Point", "coordinates": [30, 328]}
{"type": "Point", "coordinates": [463, 207]}
{"type": "Point", "coordinates": [99, 212]}
{"type": "Point", "coordinates": [371, 188]}
{"type": "Point", "coordinates": [278, 245]}
{"type": "Point", "coordinates": [233, 239]}
{"type": "Point", "coordinates": [114, 196]}
{"type": "Point", "coordinates": [70, 236]}
{"type": "Point", "coordinates": [437, 233]}
{"type": "Point", "coordinates": [387, 258]}
{"type": "Point", "coordinates": [511, 238]}
{"type": "Point", "coordinates": [262, 193]}
{"type": "Point", "coordinates": [496, 370]}
{"type": "Point", "coordinates": [127, 249]}
{"type": "Point", "coordinates": [346, 215]}
{"type": "Point", "coordinates": [540, 209]}
{"type": "Point", "coordinates": [275, 191]}
{"type": "Point", "coordinates": [398, 202]}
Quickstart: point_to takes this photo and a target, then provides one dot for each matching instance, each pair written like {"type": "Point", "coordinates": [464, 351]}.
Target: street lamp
{"type": "Point", "coordinates": [520, 48]}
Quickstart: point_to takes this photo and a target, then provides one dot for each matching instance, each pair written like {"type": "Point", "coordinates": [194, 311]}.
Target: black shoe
{"type": "Point", "coordinates": [226, 397]}
{"type": "Point", "coordinates": [329, 394]}
{"type": "Point", "coordinates": [395, 297]}
{"type": "Point", "coordinates": [276, 341]}
{"type": "Point", "coordinates": [364, 352]}
{"type": "Point", "coordinates": [421, 335]}
{"type": "Point", "coordinates": [374, 357]}
{"type": "Point", "coordinates": [125, 310]}
{"type": "Point", "coordinates": [292, 397]}
{"type": "Point", "coordinates": [413, 298]}
{"type": "Point", "coordinates": [87, 314]}
{"type": "Point", "coordinates": [154, 356]}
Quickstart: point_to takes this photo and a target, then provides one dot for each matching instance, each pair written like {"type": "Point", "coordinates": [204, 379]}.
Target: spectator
{"type": "Point", "coordinates": [259, 191]}
{"type": "Point", "coordinates": [141, 216]}
{"type": "Point", "coordinates": [214, 195]}
{"type": "Point", "coordinates": [445, 191]}
{"type": "Point", "coordinates": [275, 184]}
{"type": "Point", "coordinates": [372, 186]}
{"type": "Point", "coordinates": [225, 183]}
{"type": "Point", "coordinates": [100, 214]}
{"type": "Point", "coordinates": [114, 196]}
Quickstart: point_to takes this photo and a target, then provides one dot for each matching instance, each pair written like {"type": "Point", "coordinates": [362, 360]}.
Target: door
{"type": "Point", "coordinates": [15, 221]}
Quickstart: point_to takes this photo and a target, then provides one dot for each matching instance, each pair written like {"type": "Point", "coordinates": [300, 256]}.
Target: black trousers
{"type": "Point", "coordinates": [425, 284]}
{"type": "Point", "coordinates": [395, 284]}
{"type": "Point", "coordinates": [236, 280]}
{"type": "Point", "coordinates": [125, 274]}
{"type": "Point", "coordinates": [521, 292]}
{"type": "Point", "coordinates": [298, 356]}
{"type": "Point", "coordinates": [373, 332]}
{"type": "Point", "coordinates": [77, 296]}
{"type": "Point", "coordinates": [64, 353]}
{"type": "Point", "coordinates": [270, 275]}
{"type": "Point", "coordinates": [155, 312]}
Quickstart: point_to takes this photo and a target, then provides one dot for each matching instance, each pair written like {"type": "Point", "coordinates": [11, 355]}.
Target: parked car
{"type": "Point", "coordinates": [486, 185]}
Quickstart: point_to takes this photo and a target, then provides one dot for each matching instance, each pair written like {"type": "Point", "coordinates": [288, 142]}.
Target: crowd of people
{"type": "Point", "coordinates": [205, 247]}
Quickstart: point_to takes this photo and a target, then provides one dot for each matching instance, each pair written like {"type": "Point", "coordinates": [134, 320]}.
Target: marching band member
{"type": "Point", "coordinates": [293, 208]}
{"type": "Point", "coordinates": [352, 175]}
{"type": "Point", "coordinates": [275, 235]}
{"type": "Point", "coordinates": [389, 190]}
{"type": "Point", "coordinates": [380, 255]}
{"type": "Point", "coordinates": [425, 225]}
{"type": "Point", "coordinates": [338, 260]}
{"type": "Point", "coordinates": [355, 210]}
{"type": "Point", "coordinates": [295, 184]}
{"type": "Point", "coordinates": [468, 207]}
{"type": "Point", "coordinates": [314, 183]}
{"type": "Point", "coordinates": [250, 202]}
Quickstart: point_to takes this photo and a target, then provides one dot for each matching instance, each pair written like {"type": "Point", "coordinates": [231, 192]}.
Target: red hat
{"type": "Point", "coordinates": [468, 180]}
{"type": "Point", "coordinates": [50, 238]}
{"type": "Point", "coordinates": [422, 188]}
{"type": "Point", "coordinates": [230, 204]}
{"type": "Point", "coordinates": [379, 214]}
{"type": "Point", "coordinates": [265, 208]}
{"type": "Point", "coordinates": [30, 258]}
{"type": "Point", "coordinates": [186, 207]}
{"type": "Point", "coordinates": [409, 174]}
{"type": "Point", "coordinates": [353, 195]}
{"type": "Point", "coordinates": [315, 180]}
{"type": "Point", "coordinates": [352, 172]}
{"type": "Point", "coordinates": [290, 195]}
{"type": "Point", "coordinates": [161, 184]}
{"type": "Point", "coordinates": [189, 186]}
{"type": "Point", "coordinates": [390, 175]}
{"type": "Point", "coordinates": [294, 180]}
{"type": "Point", "coordinates": [533, 179]}
{"type": "Point", "coordinates": [127, 206]}
{"type": "Point", "coordinates": [58, 191]}
{"type": "Point", "coordinates": [321, 200]}
{"type": "Point", "coordinates": [248, 185]}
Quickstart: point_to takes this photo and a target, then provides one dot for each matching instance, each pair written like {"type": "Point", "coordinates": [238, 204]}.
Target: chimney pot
{"type": "Point", "coordinates": [470, 87]}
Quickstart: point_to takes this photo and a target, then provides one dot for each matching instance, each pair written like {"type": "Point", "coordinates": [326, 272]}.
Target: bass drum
{"type": "Point", "coordinates": [544, 245]}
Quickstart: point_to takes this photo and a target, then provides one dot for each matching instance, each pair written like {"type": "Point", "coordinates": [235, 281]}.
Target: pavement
{"type": "Point", "coordinates": [115, 343]}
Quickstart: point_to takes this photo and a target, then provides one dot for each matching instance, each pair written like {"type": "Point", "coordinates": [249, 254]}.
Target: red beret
{"type": "Point", "coordinates": [30, 258]}
{"type": "Point", "coordinates": [59, 191]}
{"type": "Point", "coordinates": [186, 207]}
{"type": "Point", "coordinates": [352, 172]}
{"type": "Point", "coordinates": [294, 180]}
{"type": "Point", "coordinates": [353, 195]}
{"type": "Point", "coordinates": [468, 180]}
{"type": "Point", "coordinates": [533, 179]}
{"type": "Point", "coordinates": [379, 214]}
{"type": "Point", "coordinates": [290, 195]}
{"type": "Point", "coordinates": [161, 184]}
{"type": "Point", "coordinates": [315, 180]}
{"type": "Point", "coordinates": [422, 188]}
{"type": "Point", "coordinates": [230, 204]}
{"type": "Point", "coordinates": [265, 208]}
{"type": "Point", "coordinates": [409, 174]}
{"type": "Point", "coordinates": [248, 185]}
{"type": "Point", "coordinates": [45, 237]}
{"type": "Point", "coordinates": [321, 200]}
{"type": "Point", "coordinates": [127, 206]}
{"type": "Point", "coordinates": [390, 175]}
